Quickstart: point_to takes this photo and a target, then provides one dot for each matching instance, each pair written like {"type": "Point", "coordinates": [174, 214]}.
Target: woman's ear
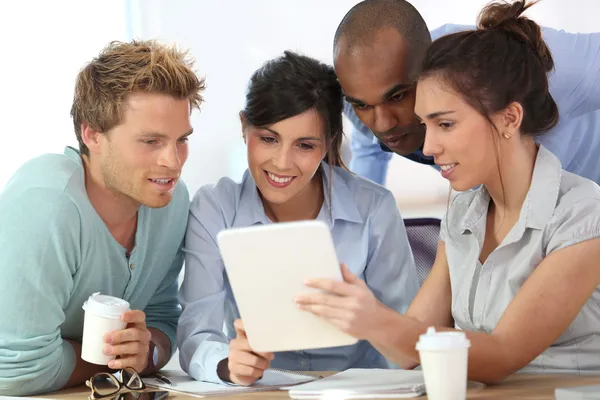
{"type": "Point", "coordinates": [513, 117]}
{"type": "Point", "coordinates": [244, 123]}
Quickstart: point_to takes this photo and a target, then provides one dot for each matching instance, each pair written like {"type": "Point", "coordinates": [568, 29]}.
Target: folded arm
{"type": "Point", "coordinates": [390, 272]}
{"type": "Point", "coordinates": [200, 336]}
{"type": "Point", "coordinates": [575, 81]}
{"type": "Point", "coordinates": [39, 237]}
{"type": "Point", "coordinates": [542, 310]}
{"type": "Point", "coordinates": [163, 311]}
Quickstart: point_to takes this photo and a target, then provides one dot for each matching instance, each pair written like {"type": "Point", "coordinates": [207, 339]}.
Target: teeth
{"type": "Point", "coordinates": [161, 181]}
{"type": "Point", "coordinates": [447, 167]}
{"type": "Point", "coordinates": [279, 180]}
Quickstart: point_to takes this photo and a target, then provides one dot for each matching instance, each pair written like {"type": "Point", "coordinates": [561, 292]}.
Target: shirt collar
{"type": "Point", "coordinates": [343, 204]}
{"type": "Point", "coordinates": [542, 197]}
{"type": "Point", "coordinates": [73, 154]}
{"type": "Point", "coordinates": [250, 210]}
{"type": "Point", "coordinates": [342, 200]}
{"type": "Point", "coordinates": [540, 202]}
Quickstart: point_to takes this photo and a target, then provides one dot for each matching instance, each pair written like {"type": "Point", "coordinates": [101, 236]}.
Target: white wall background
{"type": "Point", "coordinates": [230, 39]}
{"type": "Point", "coordinates": [45, 43]}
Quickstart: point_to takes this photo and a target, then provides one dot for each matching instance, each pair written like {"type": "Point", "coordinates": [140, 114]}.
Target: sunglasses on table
{"type": "Point", "coordinates": [126, 384]}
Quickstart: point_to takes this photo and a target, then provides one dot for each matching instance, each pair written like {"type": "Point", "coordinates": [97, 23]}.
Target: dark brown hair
{"type": "Point", "coordinates": [123, 68]}
{"type": "Point", "coordinates": [504, 60]}
{"type": "Point", "coordinates": [290, 85]}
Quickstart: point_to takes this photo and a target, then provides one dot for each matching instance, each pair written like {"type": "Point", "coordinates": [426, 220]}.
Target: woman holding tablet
{"type": "Point", "coordinates": [518, 262]}
{"type": "Point", "coordinates": [292, 126]}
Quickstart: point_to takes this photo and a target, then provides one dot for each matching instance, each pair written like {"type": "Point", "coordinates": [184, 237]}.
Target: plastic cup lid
{"type": "Point", "coordinates": [106, 306]}
{"type": "Point", "coordinates": [433, 340]}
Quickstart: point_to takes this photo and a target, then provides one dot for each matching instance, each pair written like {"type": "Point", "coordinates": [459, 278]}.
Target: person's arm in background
{"type": "Point", "coordinates": [162, 315]}
{"type": "Point", "coordinates": [202, 343]}
{"type": "Point", "coordinates": [368, 159]}
{"type": "Point", "coordinates": [391, 272]}
{"type": "Point", "coordinates": [575, 81]}
{"type": "Point", "coordinates": [39, 237]}
{"type": "Point", "coordinates": [163, 311]}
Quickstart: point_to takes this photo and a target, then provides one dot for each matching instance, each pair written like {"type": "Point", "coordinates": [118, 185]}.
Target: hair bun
{"type": "Point", "coordinates": [507, 17]}
{"type": "Point", "coordinates": [499, 13]}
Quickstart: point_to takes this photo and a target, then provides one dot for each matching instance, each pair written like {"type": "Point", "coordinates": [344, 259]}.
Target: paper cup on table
{"type": "Point", "coordinates": [444, 358]}
{"type": "Point", "coordinates": [102, 315]}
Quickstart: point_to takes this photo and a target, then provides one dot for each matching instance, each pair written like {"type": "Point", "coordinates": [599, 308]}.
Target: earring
{"type": "Point", "coordinates": [506, 135]}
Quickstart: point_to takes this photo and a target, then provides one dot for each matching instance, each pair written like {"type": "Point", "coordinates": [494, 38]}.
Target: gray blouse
{"type": "Point", "coordinates": [561, 209]}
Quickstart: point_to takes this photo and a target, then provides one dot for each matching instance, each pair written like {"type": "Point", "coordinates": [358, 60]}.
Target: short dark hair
{"type": "Point", "coordinates": [292, 84]}
{"type": "Point", "coordinates": [368, 17]}
{"type": "Point", "coordinates": [504, 60]}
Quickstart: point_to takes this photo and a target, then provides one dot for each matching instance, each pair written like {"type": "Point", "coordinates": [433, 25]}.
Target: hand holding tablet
{"type": "Point", "coordinates": [268, 266]}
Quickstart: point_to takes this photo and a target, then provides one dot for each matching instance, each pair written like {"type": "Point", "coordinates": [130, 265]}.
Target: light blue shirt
{"type": "Point", "coordinates": [55, 251]}
{"type": "Point", "coordinates": [575, 86]}
{"type": "Point", "coordinates": [369, 237]}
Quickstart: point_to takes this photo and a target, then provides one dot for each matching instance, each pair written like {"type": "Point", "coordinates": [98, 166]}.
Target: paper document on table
{"type": "Point", "coordinates": [363, 384]}
{"type": "Point", "coordinates": [272, 379]}
{"type": "Point", "coordinates": [578, 393]}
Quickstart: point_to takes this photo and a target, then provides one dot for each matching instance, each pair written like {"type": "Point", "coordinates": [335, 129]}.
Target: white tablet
{"type": "Point", "coordinates": [267, 266]}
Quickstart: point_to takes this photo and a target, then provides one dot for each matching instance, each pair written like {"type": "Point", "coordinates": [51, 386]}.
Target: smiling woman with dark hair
{"type": "Point", "coordinates": [292, 126]}
{"type": "Point", "coordinates": [517, 266]}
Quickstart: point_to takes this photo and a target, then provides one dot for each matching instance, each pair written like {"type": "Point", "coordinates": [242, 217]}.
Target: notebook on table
{"type": "Point", "coordinates": [578, 393]}
{"type": "Point", "coordinates": [273, 379]}
{"type": "Point", "coordinates": [363, 384]}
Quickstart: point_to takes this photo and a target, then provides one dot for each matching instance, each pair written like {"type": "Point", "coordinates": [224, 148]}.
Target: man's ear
{"type": "Point", "coordinates": [90, 137]}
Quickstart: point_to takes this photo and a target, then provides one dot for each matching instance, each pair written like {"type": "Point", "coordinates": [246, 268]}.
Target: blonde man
{"type": "Point", "coordinates": [109, 217]}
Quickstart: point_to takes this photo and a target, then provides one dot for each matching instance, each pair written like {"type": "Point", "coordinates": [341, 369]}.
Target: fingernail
{"type": "Point", "coordinates": [112, 364]}
{"type": "Point", "coordinates": [108, 338]}
{"type": "Point", "coordinates": [107, 350]}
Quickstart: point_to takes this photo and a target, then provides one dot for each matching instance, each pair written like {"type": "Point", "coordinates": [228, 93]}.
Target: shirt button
{"type": "Point", "coordinates": [132, 266]}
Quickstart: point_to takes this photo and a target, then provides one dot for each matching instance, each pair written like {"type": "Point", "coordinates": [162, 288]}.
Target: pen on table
{"type": "Point", "coordinates": [164, 379]}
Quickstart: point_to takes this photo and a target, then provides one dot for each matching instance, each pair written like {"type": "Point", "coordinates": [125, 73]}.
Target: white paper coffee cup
{"type": "Point", "coordinates": [102, 315]}
{"type": "Point", "coordinates": [444, 357]}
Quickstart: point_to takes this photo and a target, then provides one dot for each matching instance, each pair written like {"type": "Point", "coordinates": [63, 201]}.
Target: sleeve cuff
{"type": "Point", "coordinates": [167, 330]}
{"type": "Point", "coordinates": [203, 366]}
